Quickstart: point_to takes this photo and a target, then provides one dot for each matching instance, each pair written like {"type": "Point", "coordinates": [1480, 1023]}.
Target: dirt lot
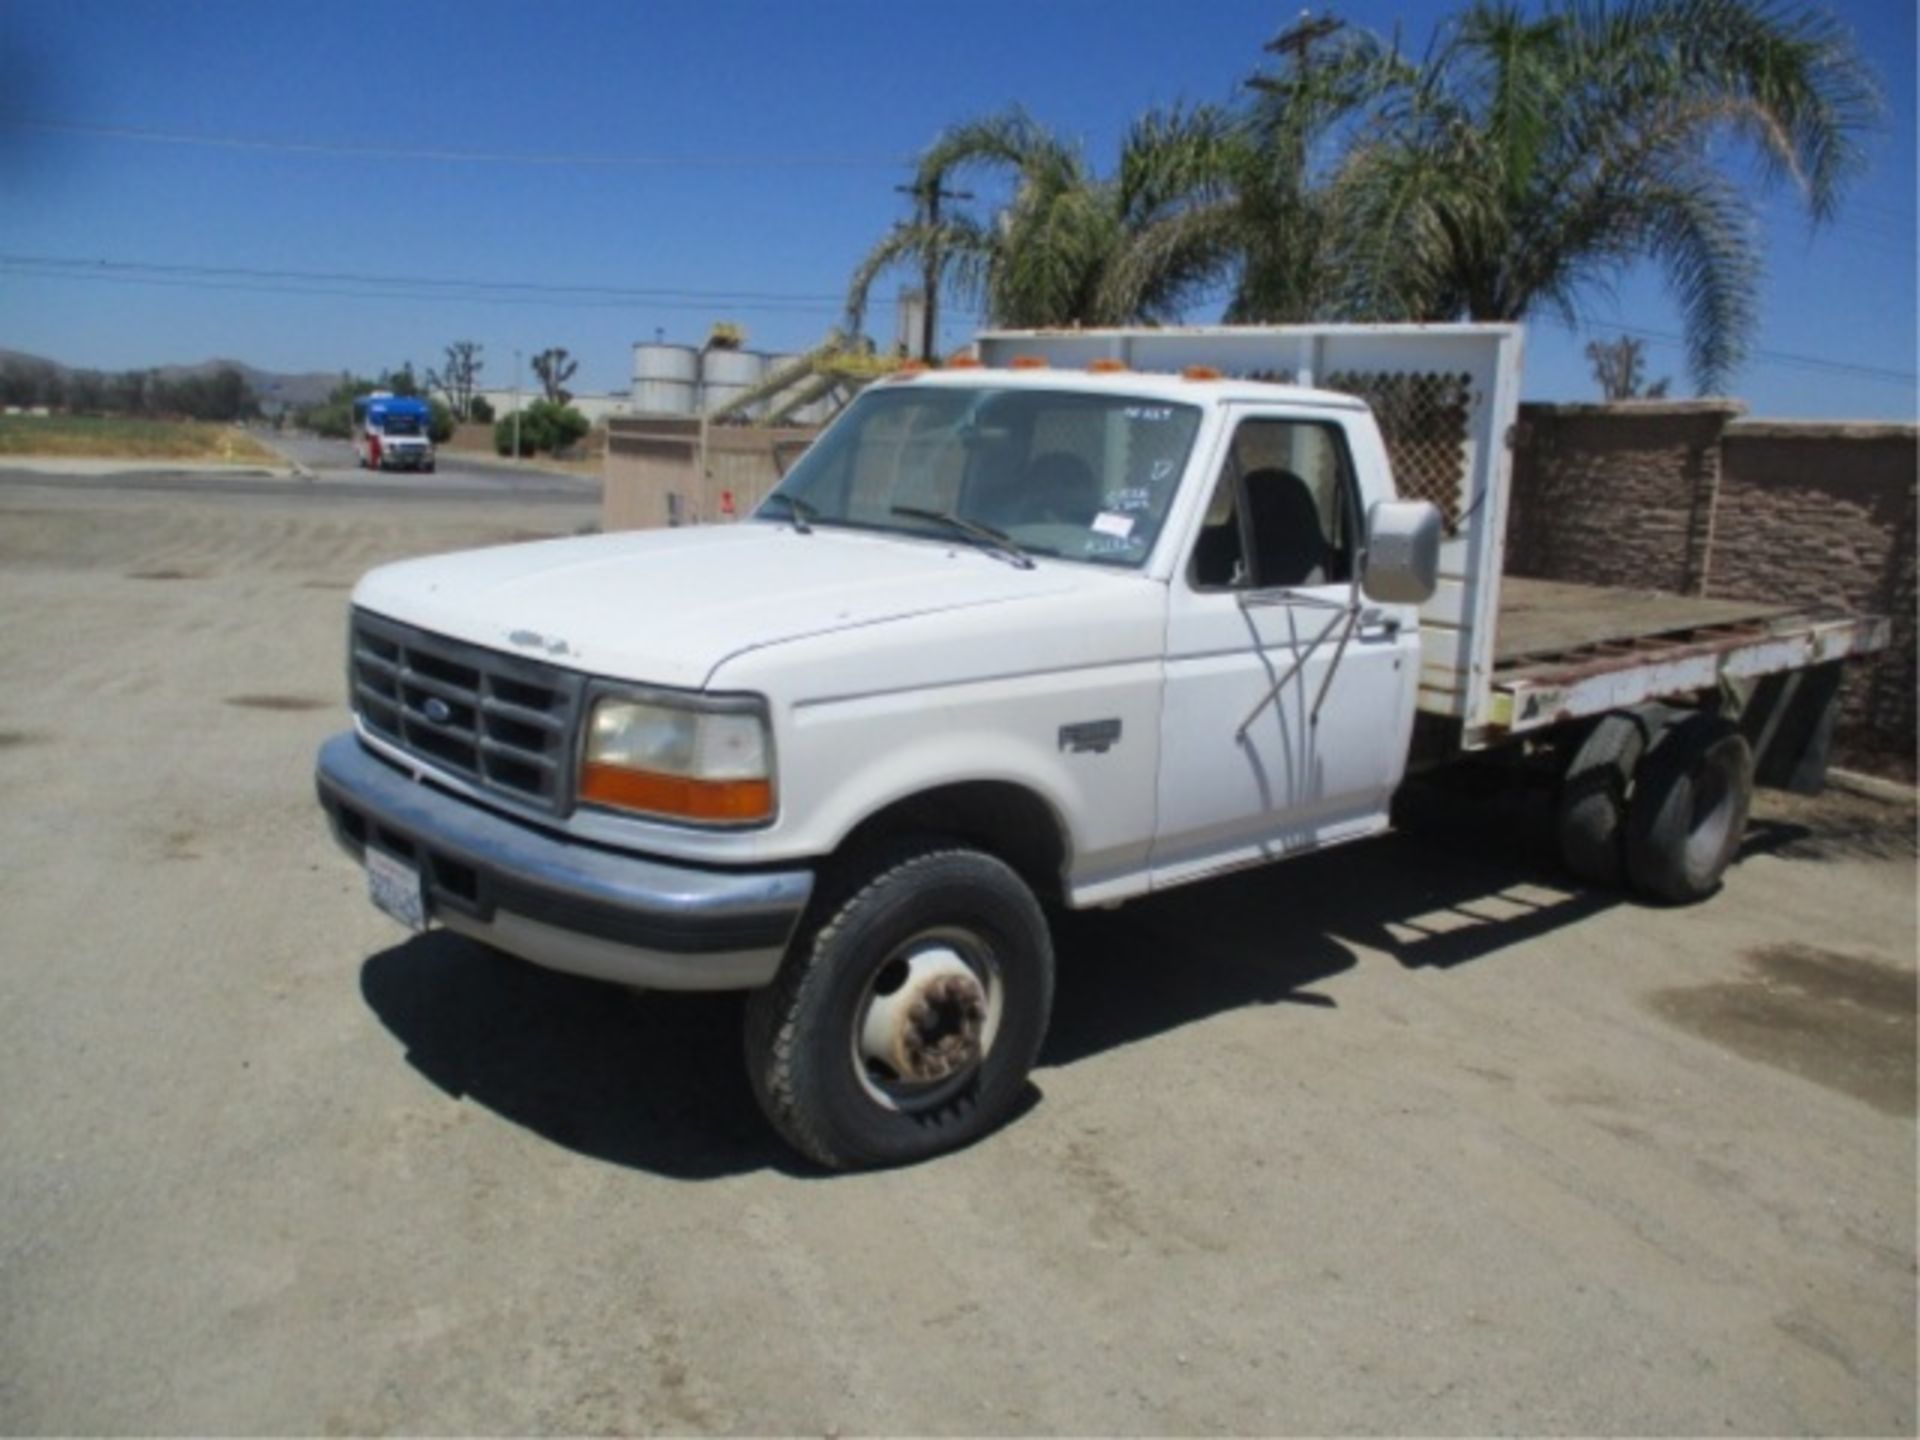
{"type": "Point", "coordinates": [1404, 1138]}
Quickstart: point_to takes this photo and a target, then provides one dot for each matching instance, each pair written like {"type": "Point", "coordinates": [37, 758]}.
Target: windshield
{"type": "Point", "coordinates": [1084, 477]}
{"type": "Point", "coordinates": [397, 424]}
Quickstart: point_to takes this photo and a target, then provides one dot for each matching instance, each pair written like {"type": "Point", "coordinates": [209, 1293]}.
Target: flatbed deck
{"type": "Point", "coordinates": [1549, 621]}
{"type": "Point", "coordinates": [1563, 651]}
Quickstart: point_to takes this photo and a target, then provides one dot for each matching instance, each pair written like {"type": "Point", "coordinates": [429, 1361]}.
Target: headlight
{"type": "Point", "coordinates": [679, 760]}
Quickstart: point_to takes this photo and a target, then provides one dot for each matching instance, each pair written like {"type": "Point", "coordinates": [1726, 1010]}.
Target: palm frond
{"type": "Point", "coordinates": [1699, 230]}
{"type": "Point", "coordinates": [1169, 262]}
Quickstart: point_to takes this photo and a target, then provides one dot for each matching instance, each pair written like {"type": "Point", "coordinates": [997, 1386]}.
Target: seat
{"type": "Point", "coordinates": [1216, 556]}
{"type": "Point", "coordinates": [1290, 548]}
{"type": "Point", "coordinates": [1059, 488]}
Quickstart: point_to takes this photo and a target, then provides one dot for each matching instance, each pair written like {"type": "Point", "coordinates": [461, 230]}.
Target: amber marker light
{"type": "Point", "coordinates": [1027, 362]}
{"type": "Point", "coordinates": [727, 802]}
{"type": "Point", "coordinates": [675, 758]}
{"type": "Point", "coordinates": [1106, 365]}
{"type": "Point", "coordinates": [1200, 372]}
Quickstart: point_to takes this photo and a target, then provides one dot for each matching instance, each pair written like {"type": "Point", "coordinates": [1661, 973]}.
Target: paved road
{"type": "Point", "coordinates": [327, 473]}
{"type": "Point", "coordinates": [333, 460]}
{"type": "Point", "coordinates": [1409, 1137]}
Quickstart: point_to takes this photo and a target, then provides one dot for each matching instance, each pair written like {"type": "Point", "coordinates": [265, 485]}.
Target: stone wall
{"type": "Point", "coordinates": [1616, 494]}
{"type": "Point", "coordinates": [1824, 514]}
{"type": "Point", "coordinates": [1687, 497]}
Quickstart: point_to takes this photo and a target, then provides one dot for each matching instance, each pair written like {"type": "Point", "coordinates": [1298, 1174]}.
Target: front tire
{"type": "Point", "coordinates": [904, 1024]}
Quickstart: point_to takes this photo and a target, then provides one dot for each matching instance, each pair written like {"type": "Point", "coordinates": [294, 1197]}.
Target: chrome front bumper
{"type": "Point", "coordinates": [559, 903]}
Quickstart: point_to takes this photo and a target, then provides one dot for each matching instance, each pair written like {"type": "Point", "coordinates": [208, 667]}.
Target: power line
{"type": "Point", "coordinates": [1905, 216]}
{"type": "Point", "coordinates": [1786, 358]}
{"type": "Point", "coordinates": [357, 285]}
{"type": "Point", "coordinates": [365, 278]}
{"type": "Point", "coordinates": [363, 285]}
{"type": "Point", "coordinates": [454, 154]}
{"type": "Point", "coordinates": [235, 287]}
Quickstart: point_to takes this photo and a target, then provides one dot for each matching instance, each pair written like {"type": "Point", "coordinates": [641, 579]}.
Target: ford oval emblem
{"type": "Point", "coordinates": [437, 710]}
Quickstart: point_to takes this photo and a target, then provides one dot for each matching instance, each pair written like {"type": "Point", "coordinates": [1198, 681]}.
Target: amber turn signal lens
{"type": "Point", "coordinates": [1106, 365]}
{"type": "Point", "coordinates": [964, 362]}
{"type": "Point", "coordinates": [1027, 362]}
{"type": "Point", "coordinates": [1199, 372]}
{"type": "Point", "coordinates": [676, 796]}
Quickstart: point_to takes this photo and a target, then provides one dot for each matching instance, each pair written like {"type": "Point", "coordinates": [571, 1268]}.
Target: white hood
{"type": "Point", "coordinates": [668, 607]}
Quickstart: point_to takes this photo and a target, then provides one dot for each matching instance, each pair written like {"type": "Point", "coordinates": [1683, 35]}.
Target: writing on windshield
{"type": "Point", "coordinates": [1084, 476]}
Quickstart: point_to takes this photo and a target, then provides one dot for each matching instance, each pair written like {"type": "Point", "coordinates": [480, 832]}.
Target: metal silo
{"type": "Point", "coordinates": [666, 379]}
{"type": "Point", "coordinates": [725, 374]}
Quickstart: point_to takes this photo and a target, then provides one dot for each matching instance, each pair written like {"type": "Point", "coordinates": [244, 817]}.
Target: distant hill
{"type": "Point", "coordinates": [274, 387]}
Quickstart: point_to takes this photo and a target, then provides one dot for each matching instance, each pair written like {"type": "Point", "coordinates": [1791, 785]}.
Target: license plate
{"type": "Point", "coordinates": [395, 888]}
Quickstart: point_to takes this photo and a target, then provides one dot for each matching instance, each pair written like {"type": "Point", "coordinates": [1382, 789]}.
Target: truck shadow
{"type": "Point", "coordinates": [1464, 880]}
{"type": "Point", "coordinates": [657, 1082]}
{"type": "Point", "coordinates": [653, 1082]}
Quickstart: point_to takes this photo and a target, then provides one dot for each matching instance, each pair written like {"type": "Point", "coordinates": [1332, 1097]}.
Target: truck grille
{"type": "Point", "coordinates": [502, 722]}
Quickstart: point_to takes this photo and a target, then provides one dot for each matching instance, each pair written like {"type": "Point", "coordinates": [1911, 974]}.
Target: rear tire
{"type": "Point", "coordinates": [1590, 811]}
{"type": "Point", "coordinates": [1689, 811]}
{"type": "Point", "coordinates": [944, 952]}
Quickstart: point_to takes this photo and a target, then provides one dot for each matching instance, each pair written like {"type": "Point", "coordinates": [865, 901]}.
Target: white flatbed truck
{"type": "Point", "coordinates": [1110, 612]}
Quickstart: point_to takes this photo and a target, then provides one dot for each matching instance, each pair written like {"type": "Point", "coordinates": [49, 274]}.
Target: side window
{"type": "Point", "coordinates": [1283, 510]}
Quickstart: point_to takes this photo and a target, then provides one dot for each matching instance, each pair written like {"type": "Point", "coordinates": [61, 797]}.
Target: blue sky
{"type": "Point", "coordinates": [788, 127]}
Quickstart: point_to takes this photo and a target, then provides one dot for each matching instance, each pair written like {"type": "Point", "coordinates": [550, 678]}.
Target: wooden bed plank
{"type": "Point", "coordinates": [1542, 618]}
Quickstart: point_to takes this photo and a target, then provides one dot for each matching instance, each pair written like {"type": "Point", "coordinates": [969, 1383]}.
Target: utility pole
{"type": "Point", "coordinates": [929, 202]}
{"type": "Point", "coordinates": [516, 404]}
{"type": "Point", "coordinates": [1299, 39]}
{"type": "Point", "coordinates": [1296, 42]}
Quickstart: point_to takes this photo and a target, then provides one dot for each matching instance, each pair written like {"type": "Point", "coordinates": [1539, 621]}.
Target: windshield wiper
{"type": "Point", "coordinates": [995, 540]}
{"type": "Point", "coordinates": [802, 513]}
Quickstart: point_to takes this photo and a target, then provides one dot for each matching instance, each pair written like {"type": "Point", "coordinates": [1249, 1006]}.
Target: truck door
{"type": "Point", "coordinates": [1275, 736]}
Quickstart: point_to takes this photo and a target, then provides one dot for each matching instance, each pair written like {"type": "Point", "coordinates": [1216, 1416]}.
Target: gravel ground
{"type": "Point", "coordinates": [1407, 1138]}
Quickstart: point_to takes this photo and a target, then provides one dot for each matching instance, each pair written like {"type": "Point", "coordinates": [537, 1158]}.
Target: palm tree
{"type": "Point", "coordinates": [1532, 159]}
{"type": "Point", "coordinates": [1288, 214]}
{"type": "Point", "coordinates": [1526, 161]}
{"type": "Point", "coordinates": [1067, 246]}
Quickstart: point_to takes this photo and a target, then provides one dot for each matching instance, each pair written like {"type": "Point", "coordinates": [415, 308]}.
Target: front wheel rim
{"type": "Point", "coordinates": [927, 1019]}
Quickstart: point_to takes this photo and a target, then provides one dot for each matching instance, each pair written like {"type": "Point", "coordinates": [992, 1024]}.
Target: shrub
{"type": "Point", "coordinates": [480, 412]}
{"type": "Point", "coordinates": [544, 426]}
{"type": "Point", "coordinates": [503, 435]}
{"type": "Point", "coordinates": [440, 422]}
{"type": "Point", "coordinates": [564, 424]}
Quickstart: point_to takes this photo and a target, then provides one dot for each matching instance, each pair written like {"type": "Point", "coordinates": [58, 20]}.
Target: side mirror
{"type": "Point", "coordinates": [1403, 552]}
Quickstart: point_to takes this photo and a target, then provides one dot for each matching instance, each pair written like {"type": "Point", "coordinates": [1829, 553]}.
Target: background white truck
{"type": "Point", "coordinates": [1079, 624]}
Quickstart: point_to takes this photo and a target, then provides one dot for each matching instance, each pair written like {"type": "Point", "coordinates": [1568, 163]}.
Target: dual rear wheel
{"type": "Point", "coordinates": [1656, 799]}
